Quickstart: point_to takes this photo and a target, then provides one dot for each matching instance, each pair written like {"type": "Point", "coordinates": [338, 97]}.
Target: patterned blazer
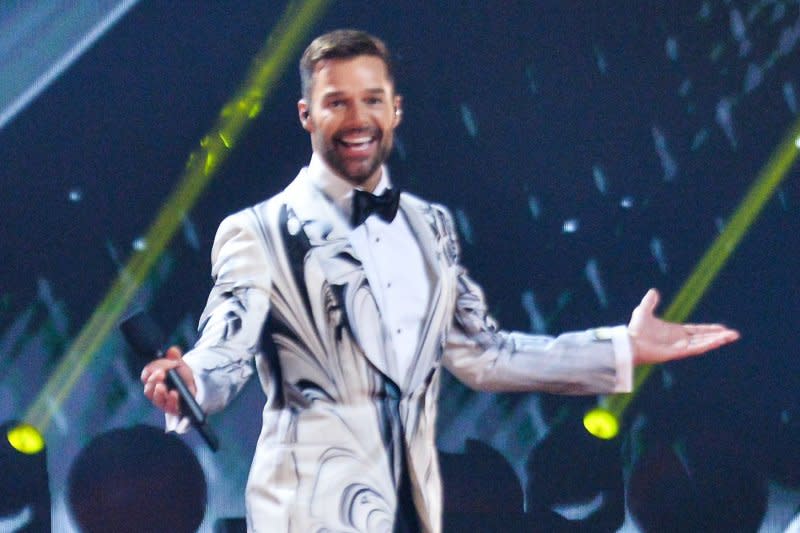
{"type": "Point", "coordinates": [290, 294]}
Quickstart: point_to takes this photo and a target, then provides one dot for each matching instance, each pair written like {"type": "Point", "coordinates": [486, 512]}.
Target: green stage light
{"type": "Point", "coordinates": [601, 423]}
{"type": "Point", "coordinates": [24, 481]}
{"type": "Point", "coordinates": [706, 270]}
{"type": "Point", "coordinates": [268, 66]}
{"type": "Point", "coordinates": [25, 439]}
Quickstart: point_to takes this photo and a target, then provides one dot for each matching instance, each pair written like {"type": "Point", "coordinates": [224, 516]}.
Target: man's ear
{"type": "Point", "coordinates": [398, 109]}
{"type": "Point", "coordinates": [304, 112]}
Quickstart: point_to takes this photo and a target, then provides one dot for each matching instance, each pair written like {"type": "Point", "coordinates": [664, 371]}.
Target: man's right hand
{"type": "Point", "coordinates": [155, 387]}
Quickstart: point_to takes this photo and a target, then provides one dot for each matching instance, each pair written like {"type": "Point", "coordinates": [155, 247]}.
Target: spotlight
{"type": "Point", "coordinates": [24, 488]}
{"type": "Point", "coordinates": [25, 439]}
{"type": "Point", "coordinates": [601, 423]}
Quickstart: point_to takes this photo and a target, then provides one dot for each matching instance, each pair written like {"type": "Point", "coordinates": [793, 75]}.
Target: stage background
{"type": "Point", "coordinates": [588, 150]}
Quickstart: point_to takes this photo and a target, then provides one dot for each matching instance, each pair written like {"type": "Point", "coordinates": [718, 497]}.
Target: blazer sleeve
{"type": "Point", "coordinates": [484, 357]}
{"type": "Point", "coordinates": [237, 307]}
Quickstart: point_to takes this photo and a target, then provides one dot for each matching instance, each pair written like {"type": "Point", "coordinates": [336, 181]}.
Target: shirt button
{"type": "Point", "coordinates": [399, 331]}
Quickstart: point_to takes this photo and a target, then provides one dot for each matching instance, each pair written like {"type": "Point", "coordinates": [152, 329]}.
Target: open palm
{"type": "Point", "coordinates": [657, 341]}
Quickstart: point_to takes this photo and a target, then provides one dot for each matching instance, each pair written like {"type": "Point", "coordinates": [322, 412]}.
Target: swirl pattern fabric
{"type": "Point", "coordinates": [291, 297]}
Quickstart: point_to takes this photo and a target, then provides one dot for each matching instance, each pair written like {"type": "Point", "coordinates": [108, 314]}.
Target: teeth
{"type": "Point", "coordinates": [357, 140]}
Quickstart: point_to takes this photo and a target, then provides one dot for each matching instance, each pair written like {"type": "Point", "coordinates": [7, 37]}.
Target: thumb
{"type": "Point", "coordinates": [650, 301]}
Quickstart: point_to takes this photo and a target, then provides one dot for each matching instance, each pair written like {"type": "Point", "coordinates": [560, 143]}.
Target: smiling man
{"type": "Point", "coordinates": [350, 298]}
{"type": "Point", "coordinates": [351, 110]}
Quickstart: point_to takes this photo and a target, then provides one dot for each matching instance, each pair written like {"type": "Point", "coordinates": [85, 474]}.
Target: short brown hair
{"type": "Point", "coordinates": [340, 44]}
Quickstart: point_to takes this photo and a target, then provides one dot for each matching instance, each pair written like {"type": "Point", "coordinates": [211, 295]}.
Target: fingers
{"type": "Point", "coordinates": [154, 377]}
{"type": "Point", "coordinates": [158, 365]}
{"type": "Point", "coordinates": [699, 343]}
{"type": "Point", "coordinates": [165, 399]}
{"type": "Point", "coordinates": [701, 346]}
{"type": "Point", "coordinates": [701, 329]}
{"type": "Point", "coordinates": [709, 336]}
{"type": "Point", "coordinates": [172, 403]}
{"type": "Point", "coordinates": [155, 389]}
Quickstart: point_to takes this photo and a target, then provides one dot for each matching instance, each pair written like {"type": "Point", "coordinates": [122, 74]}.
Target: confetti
{"type": "Point", "coordinates": [672, 48]}
{"type": "Point", "coordinates": [571, 225]}
{"type": "Point", "coordinates": [468, 117]}
{"type": "Point", "coordinates": [537, 322]}
{"type": "Point", "coordinates": [668, 163]}
{"type": "Point", "coordinates": [534, 207]}
{"type": "Point", "coordinates": [790, 97]}
{"type": "Point", "coordinates": [190, 234]}
{"type": "Point", "coordinates": [600, 179]}
{"type": "Point", "coordinates": [657, 251]}
{"type": "Point", "coordinates": [592, 272]}
{"type": "Point", "coordinates": [724, 116]}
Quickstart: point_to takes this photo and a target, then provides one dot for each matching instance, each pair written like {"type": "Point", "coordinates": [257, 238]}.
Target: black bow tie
{"type": "Point", "coordinates": [365, 204]}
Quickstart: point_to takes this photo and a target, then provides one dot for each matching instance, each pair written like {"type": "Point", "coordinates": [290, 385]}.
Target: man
{"type": "Point", "coordinates": [350, 305]}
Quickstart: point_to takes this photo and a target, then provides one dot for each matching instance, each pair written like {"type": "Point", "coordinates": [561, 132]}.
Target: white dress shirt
{"type": "Point", "coordinates": [392, 261]}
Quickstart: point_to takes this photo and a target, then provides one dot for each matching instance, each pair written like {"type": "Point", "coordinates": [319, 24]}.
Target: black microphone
{"type": "Point", "coordinates": [146, 339]}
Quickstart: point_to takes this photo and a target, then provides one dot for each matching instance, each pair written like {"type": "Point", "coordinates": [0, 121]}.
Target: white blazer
{"type": "Point", "coordinates": [291, 295]}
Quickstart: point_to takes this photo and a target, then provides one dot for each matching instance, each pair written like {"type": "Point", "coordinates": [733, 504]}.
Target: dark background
{"type": "Point", "coordinates": [519, 116]}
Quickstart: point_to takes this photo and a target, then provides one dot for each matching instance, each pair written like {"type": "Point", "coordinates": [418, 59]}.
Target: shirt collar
{"type": "Point", "coordinates": [337, 189]}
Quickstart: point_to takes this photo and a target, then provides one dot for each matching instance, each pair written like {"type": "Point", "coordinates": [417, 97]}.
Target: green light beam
{"type": "Point", "coordinates": [776, 169]}
{"type": "Point", "coordinates": [268, 66]}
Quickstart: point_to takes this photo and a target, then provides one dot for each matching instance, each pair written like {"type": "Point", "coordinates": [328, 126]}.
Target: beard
{"type": "Point", "coordinates": [357, 172]}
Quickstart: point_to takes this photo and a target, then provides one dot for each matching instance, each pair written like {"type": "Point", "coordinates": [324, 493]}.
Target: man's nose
{"type": "Point", "coordinates": [358, 115]}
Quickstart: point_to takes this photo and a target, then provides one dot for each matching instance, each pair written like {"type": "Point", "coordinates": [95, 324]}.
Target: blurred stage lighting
{"type": "Point", "coordinates": [24, 487]}
{"type": "Point", "coordinates": [794, 525]}
{"type": "Point", "coordinates": [702, 485]}
{"type": "Point", "coordinates": [482, 493]}
{"type": "Point", "coordinates": [601, 423]}
{"type": "Point", "coordinates": [578, 476]}
{"type": "Point", "coordinates": [137, 479]}
{"type": "Point", "coordinates": [777, 168]}
{"type": "Point", "coordinates": [25, 439]}
{"type": "Point", "coordinates": [269, 64]}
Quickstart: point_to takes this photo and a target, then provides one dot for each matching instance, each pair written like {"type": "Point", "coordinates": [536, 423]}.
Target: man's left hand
{"type": "Point", "coordinates": [656, 341]}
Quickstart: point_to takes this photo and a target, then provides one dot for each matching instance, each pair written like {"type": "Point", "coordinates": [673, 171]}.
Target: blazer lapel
{"type": "Point", "coordinates": [430, 234]}
{"type": "Point", "coordinates": [333, 257]}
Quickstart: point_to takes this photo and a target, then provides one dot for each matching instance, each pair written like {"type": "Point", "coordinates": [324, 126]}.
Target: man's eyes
{"type": "Point", "coordinates": [371, 101]}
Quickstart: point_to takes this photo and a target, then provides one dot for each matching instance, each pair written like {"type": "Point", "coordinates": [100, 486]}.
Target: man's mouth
{"type": "Point", "coordinates": [356, 145]}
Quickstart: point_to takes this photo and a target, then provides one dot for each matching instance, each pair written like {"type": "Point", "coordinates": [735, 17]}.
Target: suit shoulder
{"type": "Point", "coordinates": [247, 232]}
{"type": "Point", "coordinates": [422, 204]}
{"type": "Point", "coordinates": [256, 214]}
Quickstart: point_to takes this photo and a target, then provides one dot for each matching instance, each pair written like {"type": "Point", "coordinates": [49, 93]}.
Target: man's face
{"type": "Point", "coordinates": [351, 116]}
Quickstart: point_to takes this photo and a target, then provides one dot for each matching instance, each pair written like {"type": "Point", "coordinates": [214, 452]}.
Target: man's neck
{"type": "Point", "coordinates": [338, 189]}
{"type": "Point", "coordinates": [371, 183]}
